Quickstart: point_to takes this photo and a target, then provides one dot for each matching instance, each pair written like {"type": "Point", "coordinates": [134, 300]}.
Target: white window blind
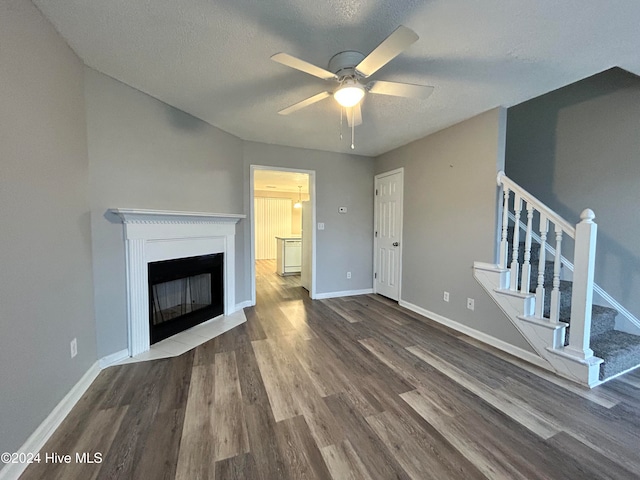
{"type": "Point", "coordinates": [273, 218]}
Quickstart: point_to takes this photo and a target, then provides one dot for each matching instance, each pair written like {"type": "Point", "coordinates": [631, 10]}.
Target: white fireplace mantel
{"type": "Point", "coordinates": [142, 216]}
{"type": "Point", "coordinates": [157, 235]}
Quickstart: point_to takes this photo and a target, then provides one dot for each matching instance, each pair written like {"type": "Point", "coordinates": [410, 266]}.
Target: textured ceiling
{"type": "Point", "coordinates": [211, 58]}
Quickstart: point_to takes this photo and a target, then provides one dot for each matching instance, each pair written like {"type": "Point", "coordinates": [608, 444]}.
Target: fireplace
{"type": "Point", "coordinates": [157, 236]}
{"type": "Point", "coordinates": [184, 292]}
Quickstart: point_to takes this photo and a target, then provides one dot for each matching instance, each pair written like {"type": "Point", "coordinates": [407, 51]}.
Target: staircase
{"type": "Point", "coordinates": [556, 314]}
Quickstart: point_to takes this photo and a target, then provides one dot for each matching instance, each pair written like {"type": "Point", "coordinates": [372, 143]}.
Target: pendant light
{"type": "Point", "coordinates": [298, 204]}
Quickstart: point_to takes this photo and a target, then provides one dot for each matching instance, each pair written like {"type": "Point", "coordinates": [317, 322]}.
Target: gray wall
{"type": "Point", "coordinates": [145, 154]}
{"type": "Point", "coordinates": [579, 147]}
{"type": "Point", "coordinates": [341, 180]}
{"type": "Point", "coordinates": [450, 220]}
{"type": "Point", "coordinates": [46, 295]}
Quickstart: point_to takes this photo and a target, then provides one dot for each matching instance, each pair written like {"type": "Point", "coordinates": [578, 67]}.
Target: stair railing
{"type": "Point", "coordinates": [584, 235]}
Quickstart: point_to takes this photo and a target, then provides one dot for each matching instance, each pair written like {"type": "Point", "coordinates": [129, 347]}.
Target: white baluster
{"type": "Point", "coordinates": [582, 294]}
{"type": "Point", "coordinates": [526, 266]}
{"type": "Point", "coordinates": [544, 228]}
{"type": "Point", "coordinates": [504, 246]}
{"type": "Point", "coordinates": [555, 293]}
{"type": "Point", "coordinates": [517, 204]}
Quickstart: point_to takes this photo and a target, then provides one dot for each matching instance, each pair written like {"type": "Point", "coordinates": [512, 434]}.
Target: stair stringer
{"type": "Point", "coordinates": [546, 339]}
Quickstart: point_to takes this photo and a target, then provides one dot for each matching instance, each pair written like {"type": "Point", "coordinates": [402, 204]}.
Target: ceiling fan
{"type": "Point", "coordinates": [349, 69]}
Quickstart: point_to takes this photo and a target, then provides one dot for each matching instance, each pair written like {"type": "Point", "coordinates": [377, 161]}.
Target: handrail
{"type": "Point", "coordinates": [541, 207]}
{"type": "Point", "coordinates": [584, 234]}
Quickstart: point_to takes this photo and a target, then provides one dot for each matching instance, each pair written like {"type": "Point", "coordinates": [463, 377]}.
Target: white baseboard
{"type": "Point", "coordinates": [245, 304]}
{"type": "Point", "coordinates": [113, 358]}
{"type": "Point", "coordinates": [344, 293]}
{"type": "Point", "coordinates": [38, 438]}
{"type": "Point", "coordinates": [478, 335]}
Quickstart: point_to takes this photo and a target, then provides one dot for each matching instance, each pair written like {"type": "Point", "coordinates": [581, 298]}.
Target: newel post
{"type": "Point", "coordinates": [582, 294]}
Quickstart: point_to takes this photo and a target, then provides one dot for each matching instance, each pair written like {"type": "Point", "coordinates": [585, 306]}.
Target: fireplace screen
{"type": "Point", "coordinates": [179, 297]}
{"type": "Point", "coordinates": [184, 292]}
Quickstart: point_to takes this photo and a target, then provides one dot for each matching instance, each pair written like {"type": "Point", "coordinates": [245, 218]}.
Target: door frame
{"type": "Point", "coordinates": [252, 223]}
{"type": "Point", "coordinates": [375, 223]}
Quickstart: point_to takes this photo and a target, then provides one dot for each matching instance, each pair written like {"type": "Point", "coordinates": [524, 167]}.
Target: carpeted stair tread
{"type": "Point", "coordinates": [619, 350]}
{"type": "Point", "coordinates": [602, 317]}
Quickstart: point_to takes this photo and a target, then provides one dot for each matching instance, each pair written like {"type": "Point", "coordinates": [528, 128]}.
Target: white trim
{"type": "Point", "coordinates": [245, 304]}
{"type": "Point", "coordinates": [492, 267]}
{"type": "Point", "coordinates": [252, 233]}
{"type": "Point", "coordinates": [113, 358]}
{"type": "Point", "coordinates": [49, 425]}
{"type": "Point", "coordinates": [375, 217]}
{"type": "Point", "coordinates": [344, 293]}
{"type": "Point", "coordinates": [139, 215]}
{"type": "Point", "coordinates": [483, 337]}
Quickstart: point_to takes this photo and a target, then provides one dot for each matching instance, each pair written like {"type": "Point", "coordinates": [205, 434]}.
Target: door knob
{"type": "Point", "coordinates": [395, 244]}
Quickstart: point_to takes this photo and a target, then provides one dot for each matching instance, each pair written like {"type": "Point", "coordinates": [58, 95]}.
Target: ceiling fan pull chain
{"type": "Point", "coordinates": [341, 113]}
{"type": "Point", "coordinates": [353, 129]}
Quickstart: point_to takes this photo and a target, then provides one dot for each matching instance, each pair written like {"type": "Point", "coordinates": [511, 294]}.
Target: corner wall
{"type": "Point", "coordinates": [450, 208]}
{"type": "Point", "coordinates": [46, 293]}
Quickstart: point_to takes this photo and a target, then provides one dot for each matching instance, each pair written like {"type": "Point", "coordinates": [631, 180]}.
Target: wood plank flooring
{"type": "Point", "coordinates": [348, 388]}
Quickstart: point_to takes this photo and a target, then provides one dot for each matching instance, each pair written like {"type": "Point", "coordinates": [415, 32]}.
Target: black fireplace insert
{"type": "Point", "coordinates": [184, 292]}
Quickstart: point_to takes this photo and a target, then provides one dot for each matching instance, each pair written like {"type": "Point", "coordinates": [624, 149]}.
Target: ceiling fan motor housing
{"type": "Point", "coordinates": [343, 64]}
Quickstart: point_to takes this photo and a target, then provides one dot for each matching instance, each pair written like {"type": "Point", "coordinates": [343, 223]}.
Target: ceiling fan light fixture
{"type": "Point", "coordinates": [349, 94]}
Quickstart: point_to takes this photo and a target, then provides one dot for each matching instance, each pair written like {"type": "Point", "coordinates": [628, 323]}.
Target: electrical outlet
{"type": "Point", "coordinates": [445, 297]}
{"type": "Point", "coordinates": [320, 226]}
{"type": "Point", "coordinates": [470, 303]}
{"type": "Point", "coordinates": [74, 347]}
{"type": "Point", "coordinates": [348, 274]}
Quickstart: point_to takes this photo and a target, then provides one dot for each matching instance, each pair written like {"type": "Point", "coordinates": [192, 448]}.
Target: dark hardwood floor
{"type": "Point", "coordinates": [349, 388]}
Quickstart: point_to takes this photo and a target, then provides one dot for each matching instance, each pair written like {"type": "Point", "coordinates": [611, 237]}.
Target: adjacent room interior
{"type": "Point", "coordinates": [283, 224]}
{"type": "Point", "coordinates": [319, 240]}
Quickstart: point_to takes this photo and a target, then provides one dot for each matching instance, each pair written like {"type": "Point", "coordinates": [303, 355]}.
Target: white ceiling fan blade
{"type": "Point", "coordinates": [354, 115]}
{"type": "Point", "coordinates": [304, 103]}
{"type": "Point", "coordinates": [389, 49]}
{"type": "Point", "coordinates": [397, 89]}
{"type": "Point", "coordinates": [306, 67]}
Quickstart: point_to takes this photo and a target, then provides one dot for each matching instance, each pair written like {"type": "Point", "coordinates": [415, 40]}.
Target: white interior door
{"type": "Point", "coordinates": [388, 233]}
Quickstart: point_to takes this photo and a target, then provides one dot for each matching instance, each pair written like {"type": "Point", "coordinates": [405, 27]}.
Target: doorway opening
{"type": "Point", "coordinates": [282, 206]}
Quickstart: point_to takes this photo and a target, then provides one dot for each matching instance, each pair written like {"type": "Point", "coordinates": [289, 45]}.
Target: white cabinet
{"type": "Point", "coordinates": [289, 255]}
